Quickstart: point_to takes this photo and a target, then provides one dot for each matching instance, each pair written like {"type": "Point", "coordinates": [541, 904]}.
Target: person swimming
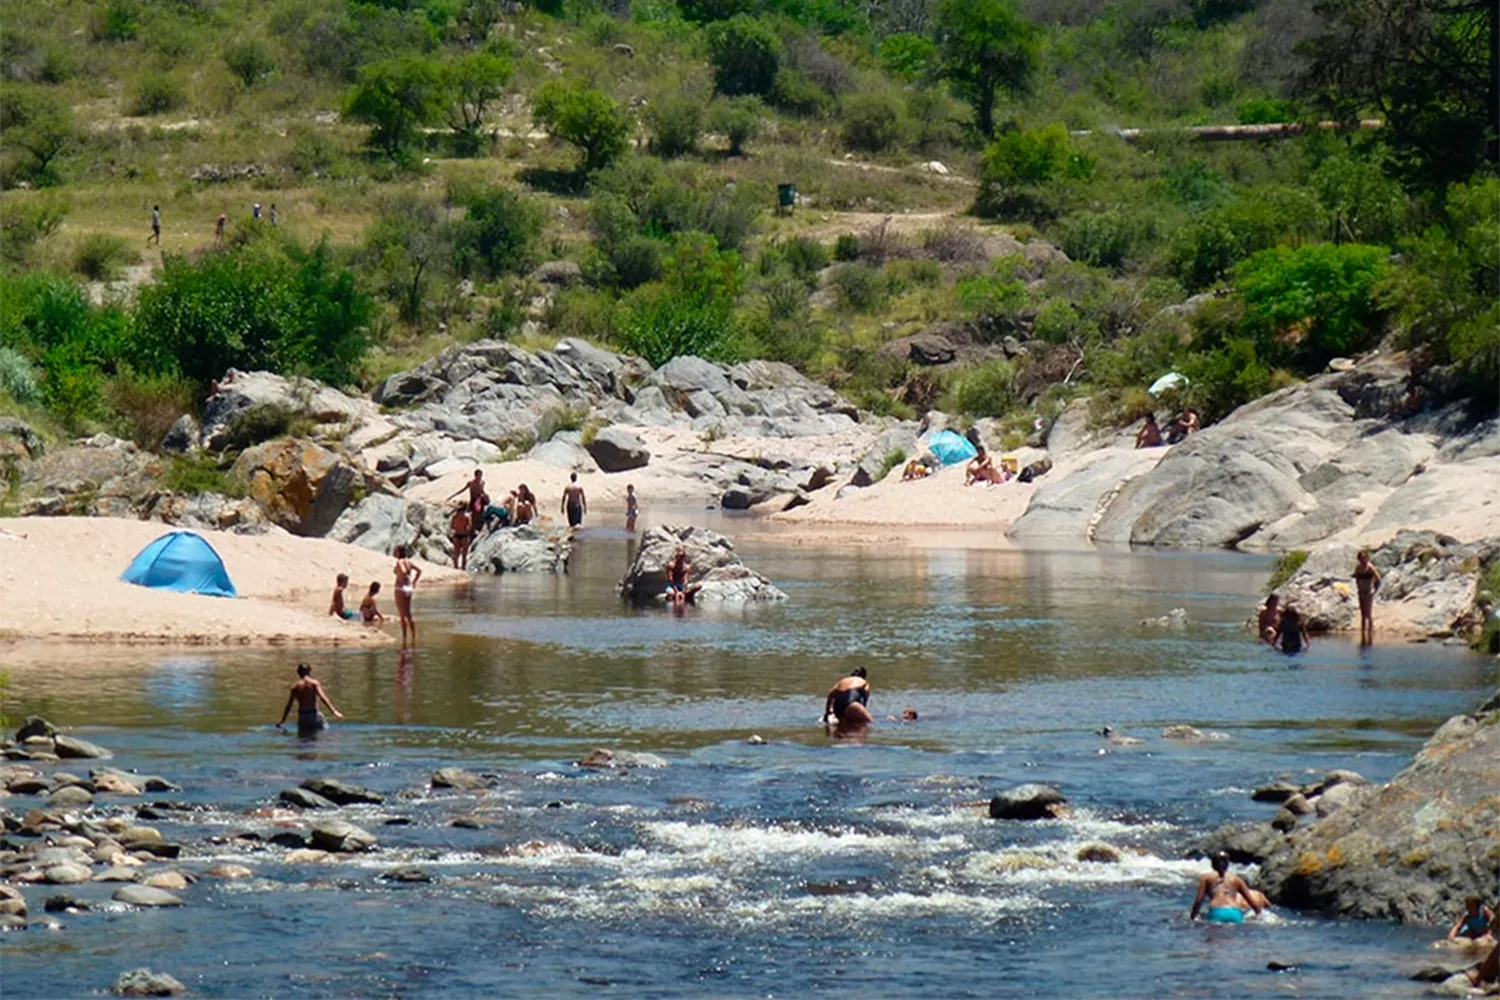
{"type": "Point", "coordinates": [848, 700]}
{"type": "Point", "coordinates": [1227, 895]}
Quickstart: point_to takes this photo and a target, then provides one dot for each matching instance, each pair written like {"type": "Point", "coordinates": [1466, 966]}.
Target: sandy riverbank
{"type": "Point", "coordinates": [62, 582]}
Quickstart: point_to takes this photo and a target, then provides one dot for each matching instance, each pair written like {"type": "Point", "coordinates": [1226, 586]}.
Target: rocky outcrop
{"type": "Point", "coordinates": [1429, 584]}
{"type": "Point", "coordinates": [95, 476]}
{"type": "Point", "coordinates": [1411, 849]}
{"type": "Point", "coordinates": [332, 412]}
{"type": "Point", "coordinates": [212, 512]}
{"type": "Point", "coordinates": [618, 449]}
{"type": "Point", "coordinates": [522, 549]}
{"type": "Point", "coordinates": [302, 486]}
{"type": "Point", "coordinates": [380, 523]}
{"type": "Point", "coordinates": [715, 573]}
{"type": "Point", "coordinates": [1027, 802]}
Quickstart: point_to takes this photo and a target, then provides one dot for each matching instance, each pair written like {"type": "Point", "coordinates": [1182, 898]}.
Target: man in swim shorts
{"type": "Point", "coordinates": [574, 503]}
{"type": "Point", "coordinates": [849, 699]}
{"type": "Point", "coordinates": [306, 694]}
{"type": "Point", "coordinates": [1227, 894]}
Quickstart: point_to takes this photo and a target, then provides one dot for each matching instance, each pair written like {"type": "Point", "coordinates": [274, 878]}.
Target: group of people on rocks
{"type": "Point", "coordinates": [1283, 626]}
{"type": "Point", "coordinates": [478, 513]}
{"type": "Point", "coordinates": [1185, 423]}
{"type": "Point", "coordinates": [407, 573]}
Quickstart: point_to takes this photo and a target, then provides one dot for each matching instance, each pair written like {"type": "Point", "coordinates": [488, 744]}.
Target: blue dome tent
{"type": "Point", "coordinates": [950, 448]}
{"type": "Point", "coordinates": [181, 561]}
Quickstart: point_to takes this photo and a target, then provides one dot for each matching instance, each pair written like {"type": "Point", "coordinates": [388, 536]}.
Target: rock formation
{"type": "Point", "coordinates": [714, 570]}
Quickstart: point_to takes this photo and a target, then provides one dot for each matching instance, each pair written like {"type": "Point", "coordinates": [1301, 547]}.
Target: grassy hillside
{"type": "Point", "coordinates": [424, 156]}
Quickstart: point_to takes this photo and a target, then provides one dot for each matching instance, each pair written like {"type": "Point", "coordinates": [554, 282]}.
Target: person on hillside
{"type": "Point", "coordinates": [574, 503]}
{"type": "Point", "coordinates": [155, 236]}
{"type": "Point", "coordinates": [219, 229]}
{"type": "Point", "coordinates": [275, 219]}
{"type": "Point", "coordinates": [255, 211]}
{"type": "Point", "coordinates": [849, 700]}
{"type": "Point", "coordinates": [1269, 619]}
{"type": "Point", "coordinates": [475, 488]}
{"type": "Point", "coordinates": [306, 694]}
{"type": "Point", "coordinates": [367, 608]}
{"type": "Point", "coordinates": [1472, 925]}
{"type": "Point", "coordinates": [632, 508]}
{"type": "Point", "coordinates": [981, 469]}
{"type": "Point", "coordinates": [1187, 422]}
{"type": "Point", "coordinates": [336, 603]}
{"type": "Point", "coordinates": [461, 531]}
{"type": "Point", "coordinates": [1291, 634]}
{"type": "Point", "coordinates": [1366, 582]}
{"type": "Point", "coordinates": [407, 575]}
{"type": "Point", "coordinates": [1149, 436]}
{"type": "Point", "coordinates": [1228, 895]}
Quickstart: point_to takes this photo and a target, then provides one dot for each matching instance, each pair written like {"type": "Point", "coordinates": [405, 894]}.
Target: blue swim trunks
{"type": "Point", "coordinates": [347, 615]}
{"type": "Point", "coordinates": [1226, 915]}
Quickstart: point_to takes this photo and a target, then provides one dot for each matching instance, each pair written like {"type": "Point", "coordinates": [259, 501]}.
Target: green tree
{"type": "Point", "coordinates": [985, 47]}
{"type": "Point", "coordinates": [396, 97]}
{"type": "Point", "coordinates": [1312, 303]}
{"type": "Point", "coordinates": [471, 83]}
{"type": "Point", "coordinates": [410, 243]}
{"type": "Point", "coordinates": [739, 119]}
{"type": "Point", "coordinates": [39, 125]}
{"type": "Point", "coordinates": [907, 56]}
{"type": "Point", "coordinates": [498, 235]}
{"type": "Point", "coordinates": [746, 55]}
{"type": "Point", "coordinates": [590, 119]}
{"type": "Point", "coordinates": [250, 60]}
{"type": "Point", "coordinates": [691, 309]}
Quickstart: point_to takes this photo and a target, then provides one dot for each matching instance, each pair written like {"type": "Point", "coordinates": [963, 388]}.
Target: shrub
{"type": "Point", "coordinates": [994, 293]}
{"type": "Point", "coordinates": [396, 97]}
{"type": "Point", "coordinates": [846, 247]}
{"type": "Point", "coordinates": [861, 287]}
{"type": "Point", "coordinates": [1223, 379]}
{"type": "Point", "coordinates": [907, 56]}
{"type": "Point", "coordinates": [200, 474]}
{"type": "Point", "coordinates": [690, 311]}
{"type": "Point", "coordinates": [116, 21]}
{"type": "Point", "coordinates": [903, 274]}
{"type": "Point", "coordinates": [1363, 204]}
{"type": "Point", "coordinates": [675, 123]}
{"type": "Point", "coordinates": [498, 235]}
{"type": "Point", "coordinates": [746, 55]}
{"type": "Point", "coordinates": [17, 377]}
{"type": "Point", "coordinates": [873, 121]}
{"type": "Point", "coordinates": [803, 256]}
{"type": "Point", "coordinates": [99, 257]}
{"type": "Point", "coordinates": [985, 46]}
{"type": "Point", "coordinates": [1208, 247]}
{"type": "Point", "coordinates": [1286, 566]}
{"type": "Point", "coordinates": [1267, 111]}
{"type": "Point", "coordinates": [22, 227]}
{"type": "Point", "coordinates": [148, 404]}
{"type": "Point", "coordinates": [261, 422]}
{"type": "Point", "coordinates": [635, 261]}
{"type": "Point", "coordinates": [250, 60]}
{"type": "Point", "coordinates": [739, 119]}
{"type": "Point", "coordinates": [892, 458]}
{"type": "Point", "coordinates": [1103, 239]}
{"type": "Point", "coordinates": [983, 390]}
{"type": "Point", "coordinates": [1311, 303]}
{"type": "Point", "coordinates": [1019, 166]}
{"type": "Point", "coordinates": [584, 117]}
{"type": "Point", "coordinates": [1057, 322]}
{"type": "Point", "coordinates": [154, 93]}
{"type": "Point", "coordinates": [795, 92]}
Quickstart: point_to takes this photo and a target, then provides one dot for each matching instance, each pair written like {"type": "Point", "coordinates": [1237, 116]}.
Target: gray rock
{"type": "Point", "coordinates": [618, 449]}
{"type": "Point", "coordinates": [1027, 802]}
{"type": "Point", "coordinates": [145, 895]}
{"type": "Point", "coordinates": [713, 568]}
{"type": "Point", "coordinates": [454, 777]}
{"type": "Point", "coordinates": [67, 873]}
{"type": "Point", "coordinates": [1243, 843]}
{"type": "Point", "coordinates": [1298, 805]}
{"type": "Point", "coordinates": [604, 758]}
{"type": "Point", "coordinates": [117, 873]}
{"type": "Point", "coordinates": [35, 726]}
{"type": "Point", "coordinates": [1285, 820]}
{"type": "Point", "coordinates": [564, 452]}
{"type": "Point", "coordinates": [337, 835]}
{"type": "Point", "coordinates": [182, 437]}
{"type": "Point", "coordinates": [302, 798]}
{"type": "Point", "coordinates": [561, 273]}
{"type": "Point", "coordinates": [1339, 797]}
{"type": "Point", "coordinates": [1276, 791]}
{"type": "Point", "coordinates": [341, 793]}
{"type": "Point", "coordinates": [72, 747]}
{"type": "Point", "coordinates": [301, 397]}
{"type": "Point", "coordinates": [27, 442]}
{"type": "Point", "coordinates": [145, 983]}
{"type": "Point", "coordinates": [405, 873]}
{"type": "Point", "coordinates": [12, 902]}
{"type": "Point", "coordinates": [872, 467]}
{"type": "Point", "coordinates": [686, 374]}
{"type": "Point", "coordinates": [524, 549]}
{"type": "Point", "coordinates": [70, 797]}
{"type": "Point", "coordinates": [1103, 854]}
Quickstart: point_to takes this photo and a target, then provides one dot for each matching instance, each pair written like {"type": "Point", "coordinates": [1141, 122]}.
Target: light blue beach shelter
{"type": "Point", "coordinates": [950, 448]}
{"type": "Point", "coordinates": [181, 561]}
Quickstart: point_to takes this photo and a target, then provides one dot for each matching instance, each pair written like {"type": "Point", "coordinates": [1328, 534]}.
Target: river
{"type": "Point", "coordinates": [804, 866]}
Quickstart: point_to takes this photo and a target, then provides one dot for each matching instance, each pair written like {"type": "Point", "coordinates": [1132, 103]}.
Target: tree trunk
{"type": "Point", "coordinates": [1492, 105]}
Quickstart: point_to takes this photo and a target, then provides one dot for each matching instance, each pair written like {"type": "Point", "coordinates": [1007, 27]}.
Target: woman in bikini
{"type": "Point", "coordinates": [1366, 582]}
{"type": "Point", "coordinates": [1227, 895]}
{"type": "Point", "coordinates": [407, 575]}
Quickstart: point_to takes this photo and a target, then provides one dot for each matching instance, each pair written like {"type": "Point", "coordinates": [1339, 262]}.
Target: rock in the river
{"type": "Point", "coordinates": [1029, 801]}
{"type": "Point", "coordinates": [340, 792]}
{"type": "Point", "coordinates": [66, 873]}
{"type": "Point", "coordinates": [12, 903]}
{"type": "Point", "coordinates": [1183, 733]}
{"type": "Point", "coordinates": [526, 548]}
{"type": "Point", "coordinates": [1298, 805]}
{"type": "Point", "coordinates": [1411, 849]}
{"type": "Point", "coordinates": [602, 757]}
{"type": "Point", "coordinates": [1104, 854]}
{"type": "Point", "coordinates": [113, 783]}
{"type": "Point", "coordinates": [1276, 791]}
{"type": "Point", "coordinates": [145, 895]}
{"type": "Point", "coordinates": [169, 880]}
{"type": "Point", "coordinates": [455, 777]}
{"type": "Point", "coordinates": [345, 838]}
{"type": "Point", "coordinates": [1243, 843]}
{"type": "Point", "coordinates": [145, 983]}
{"type": "Point", "coordinates": [714, 569]}
{"type": "Point", "coordinates": [35, 725]}
{"type": "Point", "coordinates": [618, 449]}
{"type": "Point", "coordinates": [70, 797]}
{"type": "Point", "coordinates": [227, 870]}
{"type": "Point", "coordinates": [304, 799]}
{"type": "Point", "coordinates": [405, 873]}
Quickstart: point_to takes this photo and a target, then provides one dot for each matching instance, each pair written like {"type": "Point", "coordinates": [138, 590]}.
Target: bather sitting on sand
{"type": "Point", "coordinates": [1228, 895]}
{"type": "Point", "coordinates": [914, 470]}
{"type": "Point", "coordinates": [848, 700]}
{"type": "Point", "coordinates": [982, 470]}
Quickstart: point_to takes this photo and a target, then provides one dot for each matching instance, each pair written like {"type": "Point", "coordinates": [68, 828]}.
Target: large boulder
{"type": "Point", "coordinates": [340, 792]}
{"type": "Point", "coordinates": [302, 486]}
{"type": "Point", "coordinates": [18, 440]}
{"type": "Point", "coordinates": [145, 983]}
{"type": "Point", "coordinates": [298, 397]}
{"type": "Point", "coordinates": [380, 522]}
{"type": "Point", "coordinates": [618, 449]}
{"type": "Point", "coordinates": [1027, 802]}
{"type": "Point", "coordinates": [875, 464]}
{"type": "Point", "coordinates": [95, 476]}
{"type": "Point", "coordinates": [212, 512]}
{"type": "Point", "coordinates": [525, 548]}
{"type": "Point", "coordinates": [713, 568]}
{"type": "Point", "coordinates": [1411, 849]}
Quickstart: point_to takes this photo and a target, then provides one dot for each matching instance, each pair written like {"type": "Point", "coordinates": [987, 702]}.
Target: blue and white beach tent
{"type": "Point", "coordinates": [181, 561]}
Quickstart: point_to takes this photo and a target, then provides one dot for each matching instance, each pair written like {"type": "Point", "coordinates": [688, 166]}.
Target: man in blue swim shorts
{"type": "Point", "coordinates": [306, 694]}
{"type": "Point", "coordinates": [1227, 895]}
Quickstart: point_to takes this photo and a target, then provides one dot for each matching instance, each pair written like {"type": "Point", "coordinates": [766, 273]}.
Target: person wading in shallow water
{"type": "Point", "coordinates": [306, 694]}
{"type": "Point", "coordinates": [407, 575]}
{"type": "Point", "coordinates": [574, 503]}
{"type": "Point", "coordinates": [1227, 894]}
{"type": "Point", "coordinates": [1366, 582]}
{"type": "Point", "coordinates": [849, 699]}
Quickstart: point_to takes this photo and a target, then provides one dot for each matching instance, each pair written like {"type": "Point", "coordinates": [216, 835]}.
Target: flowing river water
{"type": "Point", "coordinates": [804, 866]}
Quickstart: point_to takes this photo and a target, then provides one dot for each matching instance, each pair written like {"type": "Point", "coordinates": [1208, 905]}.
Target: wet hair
{"type": "Point", "coordinates": [1364, 554]}
{"type": "Point", "coordinates": [573, 477]}
{"type": "Point", "coordinates": [478, 473]}
{"type": "Point", "coordinates": [400, 552]}
{"type": "Point", "coordinates": [342, 579]}
{"type": "Point", "coordinates": [1473, 901]}
{"type": "Point", "coordinates": [1273, 598]}
{"type": "Point", "coordinates": [303, 670]}
{"type": "Point", "coordinates": [859, 672]}
{"type": "Point", "coordinates": [375, 587]}
{"type": "Point", "coordinates": [1220, 861]}
{"type": "Point", "coordinates": [1291, 614]}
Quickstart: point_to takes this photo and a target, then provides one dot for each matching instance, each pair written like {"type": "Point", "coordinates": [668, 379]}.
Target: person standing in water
{"type": "Point", "coordinates": [1228, 895]}
{"type": "Point", "coordinates": [1366, 582]}
{"type": "Point", "coordinates": [848, 700]}
{"type": "Point", "coordinates": [1269, 620]}
{"type": "Point", "coordinates": [306, 694]}
{"type": "Point", "coordinates": [1291, 634]}
{"type": "Point", "coordinates": [632, 507]}
{"type": "Point", "coordinates": [574, 503]}
{"type": "Point", "coordinates": [407, 575]}
{"type": "Point", "coordinates": [461, 531]}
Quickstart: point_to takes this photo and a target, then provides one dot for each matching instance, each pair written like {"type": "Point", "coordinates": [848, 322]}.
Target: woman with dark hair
{"type": "Point", "coordinates": [407, 575]}
{"type": "Point", "coordinates": [1291, 634]}
{"type": "Point", "coordinates": [1366, 583]}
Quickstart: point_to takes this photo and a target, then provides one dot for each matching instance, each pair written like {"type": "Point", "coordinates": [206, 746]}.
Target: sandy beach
{"type": "Point", "coordinates": [62, 582]}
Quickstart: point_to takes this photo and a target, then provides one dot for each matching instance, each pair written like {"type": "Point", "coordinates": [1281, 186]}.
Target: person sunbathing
{"type": "Point", "coordinates": [982, 470]}
{"type": "Point", "coordinates": [914, 470]}
{"type": "Point", "coordinates": [1149, 436]}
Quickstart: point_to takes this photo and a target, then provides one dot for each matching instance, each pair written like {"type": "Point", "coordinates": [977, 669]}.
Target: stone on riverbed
{"type": "Point", "coordinates": [1103, 854]}
{"type": "Point", "coordinates": [12, 903]}
{"type": "Point", "coordinates": [145, 895]}
{"type": "Point", "coordinates": [169, 880]}
{"type": "Point", "coordinates": [457, 777]}
{"type": "Point", "coordinates": [70, 797]}
{"type": "Point", "coordinates": [113, 783]}
{"type": "Point", "coordinates": [345, 838]}
{"type": "Point", "coordinates": [145, 983]}
{"type": "Point", "coordinates": [73, 747]}
{"type": "Point", "coordinates": [35, 725]}
{"type": "Point", "coordinates": [620, 758]}
{"type": "Point", "coordinates": [713, 568]}
{"type": "Point", "coordinates": [228, 870]}
{"type": "Point", "coordinates": [305, 799]}
{"type": "Point", "coordinates": [1027, 802]}
{"type": "Point", "coordinates": [341, 793]}
{"type": "Point", "coordinates": [1276, 791]}
{"type": "Point", "coordinates": [67, 873]}
{"type": "Point", "coordinates": [117, 873]}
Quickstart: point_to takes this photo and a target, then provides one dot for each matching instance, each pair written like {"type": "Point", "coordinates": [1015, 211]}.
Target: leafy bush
{"type": "Point", "coordinates": [996, 292]}
{"type": "Point", "coordinates": [1223, 379]}
{"type": "Point", "coordinates": [99, 257]}
{"type": "Point", "coordinates": [907, 56]}
{"type": "Point", "coordinates": [846, 247]}
{"type": "Point", "coordinates": [746, 55]}
{"type": "Point", "coordinates": [985, 390]}
{"type": "Point", "coordinates": [1286, 567]}
{"type": "Point", "coordinates": [1267, 111]}
{"type": "Point", "coordinates": [1312, 303]}
{"type": "Point", "coordinates": [860, 286]}
{"type": "Point", "coordinates": [675, 123]}
{"type": "Point", "coordinates": [1019, 166]}
{"type": "Point", "coordinates": [116, 21]}
{"type": "Point", "coordinates": [739, 119]}
{"type": "Point", "coordinates": [904, 274]}
{"type": "Point", "coordinates": [200, 474]}
{"type": "Point", "coordinates": [469, 84]}
{"type": "Point", "coordinates": [1362, 203]}
{"type": "Point", "coordinates": [17, 377]}
{"type": "Point", "coordinates": [1208, 247]}
{"type": "Point", "coordinates": [1104, 239]}
{"type": "Point", "coordinates": [22, 227]}
{"type": "Point", "coordinates": [148, 404]}
{"type": "Point", "coordinates": [690, 311]}
{"type": "Point", "coordinates": [154, 93]}
{"type": "Point", "coordinates": [803, 256]}
{"type": "Point", "coordinates": [250, 60]}
{"type": "Point", "coordinates": [584, 117]}
{"type": "Point", "coordinates": [796, 92]}
{"type": "Point", "coordinates": [873, 121]}
{"type": "Point", "coordinates": [261, 422]}
{"type": "Point", "coordinates": [1057, 322]}
{"type": "Point", "coordinates": [499, 234]}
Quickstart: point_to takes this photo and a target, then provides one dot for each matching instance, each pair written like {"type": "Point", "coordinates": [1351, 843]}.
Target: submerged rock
{"type": "Point", "coordinates": [301, 798]}
{"type": "Point", "coordinates": [145, 895]}
{"type": "Point", "coordinates": [145, 983]}
{"type": "Point", "coordinates": [715, 573]}
{"type": "Point", "coordinates": [620, 758]}
{"type": "Point", "coordinates": [1027, 802]}
{"type": "Point", "coordinates": [341, 793]}
{"type": "Point", "coordinates": [455, 777]}
{"type": "Point", "coordinates": [526, 548]}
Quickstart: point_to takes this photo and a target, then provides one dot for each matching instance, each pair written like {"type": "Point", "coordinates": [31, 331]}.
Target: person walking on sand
{"type": "Point", "coordinates": [1366, 582]}
{"type": "Point", "coordinates": [849, 699]}
{"type": "Point", "coordinates": [461, 530]}
{"type": "Point", "coordinates": [1228, 895]}
{"type": "Point", "coordinates": [336, 604]}
{"type": "Point", "coordinates": [219, 229]}
{"type": "Point", "coordinates": [632, 508]}
{"type": "Point", "coordinates": [368, 609]}
{"type": "Point", "coordinates": [407, 575]}
{"type": "Point", "coordinates": [306, 694]}
{"type": "Point", "coordinates": [574, 503]}
{"type": "Point", "coordinates": [155, 236]}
